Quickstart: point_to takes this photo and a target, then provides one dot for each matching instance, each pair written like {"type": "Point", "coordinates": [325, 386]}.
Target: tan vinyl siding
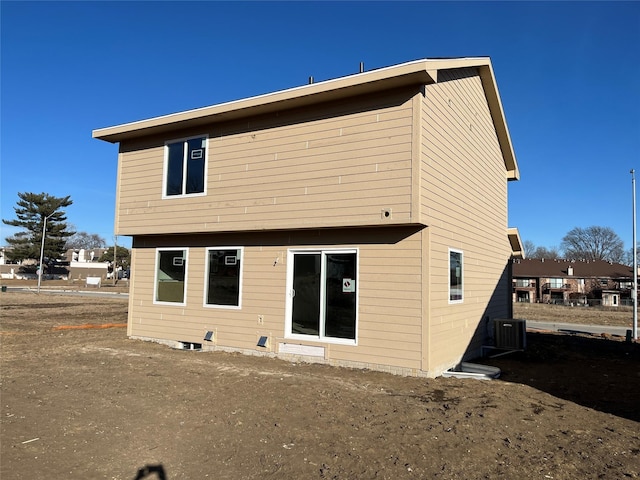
{"type": "Point", "coordinates": [297, 168]}
{"type": "Point", "coordinates": [464, 203]}
{"type": "Point", "coordinates": [389, 322]}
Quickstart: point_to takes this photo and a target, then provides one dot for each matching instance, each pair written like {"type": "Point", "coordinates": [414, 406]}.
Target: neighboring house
{"type": "Point", "coordinates": [359, 221]}
{"type": "Point", "coordinates": [4, 260]}
{"type": "Point", "coordinates": [84, 263]}
{"type": "Point", "coordinates": [73, 265]}
{"type": "Point", "coordinates": [81, 255]}
{"type": "Point", "coordinates": [572, 282]}
{"type": "Point", "coordinates": [26, 269]}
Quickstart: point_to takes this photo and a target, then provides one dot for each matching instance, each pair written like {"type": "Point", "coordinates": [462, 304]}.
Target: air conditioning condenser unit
{"type": "Point", "coordinates": [510, 334]}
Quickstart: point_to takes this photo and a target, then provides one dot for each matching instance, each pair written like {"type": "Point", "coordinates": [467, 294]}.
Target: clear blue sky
{"type": "Point", "coordinates": [568, 75]}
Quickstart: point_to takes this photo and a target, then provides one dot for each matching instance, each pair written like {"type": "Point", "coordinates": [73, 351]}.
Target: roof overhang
{"type": "Point", "coordinates": [517, 249]}
{"type": "Point", "coordinates": [419, 72]}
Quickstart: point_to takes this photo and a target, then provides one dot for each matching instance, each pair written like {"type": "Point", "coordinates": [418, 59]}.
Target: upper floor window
{"type": "Point", "coordinates": [455, 276]}
{"type": "Point", "coordinates": [522, 282]}
{"type": "Point", "coordinates": [185, 162]}
{"type": "Point", "coordinates": [556, 282]}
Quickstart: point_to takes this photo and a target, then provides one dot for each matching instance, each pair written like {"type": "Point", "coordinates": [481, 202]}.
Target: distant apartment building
{"type": "Point", "coordinates": [571, 281]}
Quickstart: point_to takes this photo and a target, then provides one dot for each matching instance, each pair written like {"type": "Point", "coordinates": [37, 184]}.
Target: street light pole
{"type": "Point", "coordinates": [44, 231]}
{"type": "Point", "coordinates": [635, 259]}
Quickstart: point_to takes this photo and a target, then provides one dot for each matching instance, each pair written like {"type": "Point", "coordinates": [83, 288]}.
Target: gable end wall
{"type": "Point", "coordinates": [464, 205]}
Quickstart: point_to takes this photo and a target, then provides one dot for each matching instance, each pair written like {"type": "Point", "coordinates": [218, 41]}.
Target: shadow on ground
{"type": "Point", "coordinates": [599, 373]}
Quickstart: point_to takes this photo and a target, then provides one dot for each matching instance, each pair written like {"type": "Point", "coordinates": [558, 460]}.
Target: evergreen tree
{"type": "Point", "coordinates": [123, 254]}
{"type": "Point", "coordinates": [31, 211]}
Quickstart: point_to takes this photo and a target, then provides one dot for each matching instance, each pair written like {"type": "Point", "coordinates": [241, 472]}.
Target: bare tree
{"type": "Point", "coordinates": [544, 252]}
{"type": "Point", "coordinates": [627, 258]}
{"type": "Point", "coordinates": [528, 248]}
{"type": "Point", "coordinates": [593, 243]}
{"type": "Point", "coordinates": [85, 240]}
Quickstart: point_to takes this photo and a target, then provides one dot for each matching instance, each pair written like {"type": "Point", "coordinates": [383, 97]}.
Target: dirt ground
{"type": "Point", "coordinates": [90, 403]}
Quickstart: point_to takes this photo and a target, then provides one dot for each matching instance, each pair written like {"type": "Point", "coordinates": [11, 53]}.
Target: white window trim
{"type": "Point", "coordinates": [289, 298]}
{"type": "Point", "coordinates": [206, 279]}
{"type": "Point", "coordinates": [165, 171]}
{"type": "Point", "coordinates": [454, 250]}
{"type": "Point", "coordinates": [155, 276]}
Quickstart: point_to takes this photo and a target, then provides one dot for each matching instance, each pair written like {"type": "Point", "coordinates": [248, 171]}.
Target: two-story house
{"type": "Point", "coordinates": [360, 221]}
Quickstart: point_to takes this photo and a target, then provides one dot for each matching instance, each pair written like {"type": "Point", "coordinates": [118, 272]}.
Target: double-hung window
{"type": "Point", "coordinates": [224, 277]}
{"type": "Point", "coordinates": [185, 167]}
{"type": "Point", "coordinates": [455, 276]}
{"type": "Point", "coordinates": [171, 274]}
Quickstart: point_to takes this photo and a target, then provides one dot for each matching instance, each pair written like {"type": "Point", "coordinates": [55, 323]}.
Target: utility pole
{"type": "Point", "coordinates": [44, 232]}
{"type": "Point", "coordinates": [115, 262]}
{"type": "Point", "coordinates": [635, 259]}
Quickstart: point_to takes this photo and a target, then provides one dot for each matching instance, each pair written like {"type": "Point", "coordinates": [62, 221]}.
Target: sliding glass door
{"type": "Point", "coordinates": [323, 294]}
